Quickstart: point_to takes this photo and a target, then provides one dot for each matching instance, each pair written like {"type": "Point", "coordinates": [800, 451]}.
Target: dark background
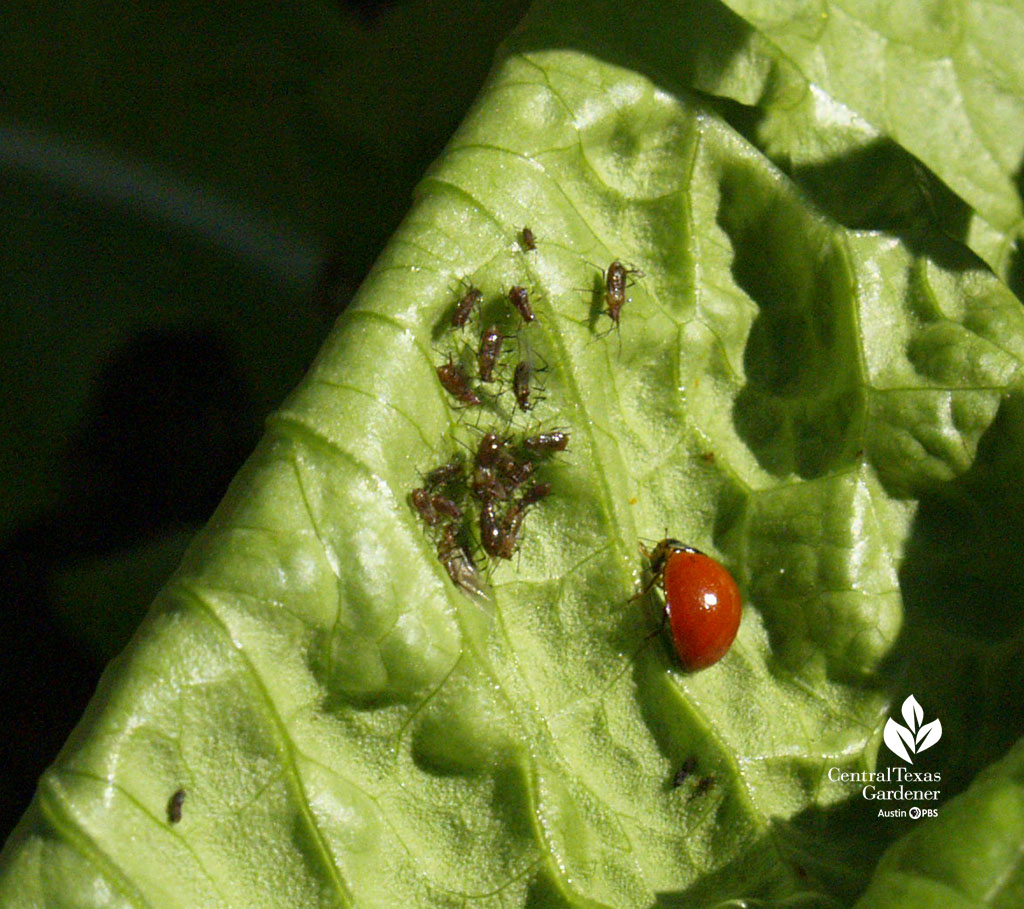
{"type": "Point", "coordinates": [189, 195]}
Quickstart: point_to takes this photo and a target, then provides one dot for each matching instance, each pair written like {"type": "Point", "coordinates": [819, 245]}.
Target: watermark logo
{"type": "Point", "coordinates": [916, 736]}
{"type": "Point", "coordinates": [896, 787]}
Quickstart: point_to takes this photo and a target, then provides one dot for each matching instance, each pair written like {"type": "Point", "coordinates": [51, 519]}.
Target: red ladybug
{"type": "Point", "coordinates": [702, 602]}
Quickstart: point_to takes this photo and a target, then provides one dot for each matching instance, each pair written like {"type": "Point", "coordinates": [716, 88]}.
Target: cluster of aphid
{"type": "Point", "coordinates": [485, 499]}
{"type": "Point", "coordinates": [499, 485]}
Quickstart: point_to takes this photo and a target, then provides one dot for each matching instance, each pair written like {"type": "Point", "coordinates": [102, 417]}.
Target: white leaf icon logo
{"type": "Point", "coordinates": [912, 713]}
{"type": "Point", "coordinates": [904, 741]}
{"type": "Point", "coordinates": [893, 736]}
{"type": "Point", "coordinates": [928, 735]}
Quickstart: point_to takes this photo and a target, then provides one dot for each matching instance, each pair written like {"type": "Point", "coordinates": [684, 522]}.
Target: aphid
{"type": "Point", "coordinates": [512, 471]}
{"type": "Point", "coordinates": [535, 493]}
{"type": "Point", "coordinates": [615, 288]}
{"type": "Point", "coordinates": [702, 602]}
{"type": "Point", "coordinates": [487, 487]}
{"type": "Point", "coordinates": [488, 450]}
{"type": "Point", "coordinates": [446, 506]}
{"type": "Point", "coordinates": [518, 297]}
{"type": "Point", "coordinates": [499, 535]}
{"type": "Point", "coordinates": [513, 520]}
{"type": "Point", "coordinates": [491, 534]}
{"type": "Point", "coordinates": [174, 806]}
{"type": "Point", "coordinates": [528, 240]}
{"type": "Point", "coordinates": [490, 350]}
{"type": "Point", "coordinates": [458, 562]}
{"type": "Point", "coordinates": [521, 385]}
{"type": "Point", "coordinates": [689, 765]}
{"type": "Point", "coordinates": [456, 383]}
{"type": "Point", "coordinates": [547, 441]}
{"type": "Point", "coordinates": [464, 308]}
{"type": "Point", "coordinates": [704, 785]}
{"type": "Point", "coordinates": [439, 476]}
{"type": "Point", "coordinates": [423, 502]}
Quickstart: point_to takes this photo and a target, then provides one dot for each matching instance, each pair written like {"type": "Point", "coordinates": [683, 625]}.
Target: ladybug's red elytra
{"type": "Point", "coordinates": [702, 602]}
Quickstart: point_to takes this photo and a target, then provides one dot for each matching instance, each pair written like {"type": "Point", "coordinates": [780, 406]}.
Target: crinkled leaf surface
{"type": "Point", "coordinates": [834, 411]}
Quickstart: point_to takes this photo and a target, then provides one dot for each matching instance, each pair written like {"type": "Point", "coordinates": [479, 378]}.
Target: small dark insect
{"type": "Point", "coordinates": [521, 385]}
{"type": "Point", "coordinates": [704, 785]}
{"type": "Point", "coordinates": [708, 457]}
{"type": "Point", "coordinates": [490, 350]}
{"type": "Point", "coordinates": [615, 289]}
{"type": "Point", "coordinates": [491, 534]}
{"type": "Point", "coordinates": [443, 474]}
{"type": "Point", "coordinates": [547, 441]}
{"type": "Point", "coordinates": [514, 472]}
{"type": "Point", "coordinates": [458, 562]}
{"type": "Point", "coordinates": [615, 282]}
{"type": "Point", "coordinates": [513, 519]}
{"type": "Point", "coordinates": [689, 765]}
{"type": "Point", "coordinates": [528, 240]}
{"type": "Point", "coordinates": [464, 308]}
{"type": "Point", "coordinates": [456, 383]}
{"type": "Point", "coordinates": [423, 502]}
{"type": "Point", "coordinates": [174, 806]}
{"type": "Point", "coordinates": [488, 450]}
{"type": "Point", "coordinates": [534, 494]}
{"type": "Point", "coordinates": [487, 487]}
{"type": "Point", "coordinates": [446, 506]}
{"type": "Point", "coordinates": [499, 534]}
{"type": "Point", "coordinates": [518, 297]}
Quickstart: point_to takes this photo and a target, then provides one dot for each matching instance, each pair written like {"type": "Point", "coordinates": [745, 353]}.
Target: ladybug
{"type": "Point", "coordinates": [702, 602]}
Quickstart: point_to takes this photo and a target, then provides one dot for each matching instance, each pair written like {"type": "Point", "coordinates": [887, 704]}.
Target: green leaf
{"type": "Point", "coordinates": [942, 82]}
{"type": "Point", "coordinates": [833, 411]}
{"type": "Point", "coordinates": [969, 856]}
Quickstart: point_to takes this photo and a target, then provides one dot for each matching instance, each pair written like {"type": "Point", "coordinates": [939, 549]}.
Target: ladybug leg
{"type": "Point", "coordinates": [648, 555]}
{"type": "Point", "coordinates": [661, 625]}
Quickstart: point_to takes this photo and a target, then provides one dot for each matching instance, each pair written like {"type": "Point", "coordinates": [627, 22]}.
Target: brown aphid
{"type": "Point", "coordinates": [439, 476]}
{"type": "Point", "coordinates": [511, 524]}
{"type": "Point", "coordinates": [518, 297]}
{"type": "Point", "coordinates": [521, 385]}
{"type": "Point", "coordinates": [528, 240]}
{"type": "Point", "coordinates": [615, 281]}
{"type": "Point", "coordinates": [491, 534]}
{"type": "Point", "coordinates": [486, 486]}
{"type": "Point", "coordinates": [487, 452]}
{"type": "Point", "coordinates": [547, 441]}
{"type": "Point", "coordinates": [464, 308]}
{"type": "Point", "coordinates": [680, 777]}
{"type": "Point", "coordinates": [423, 502]}
{"type": "Point", "coordinates": [458, 562]}
{"type": "Point", "coordinates": [490, 350]}
{"type": "Point", "coordinates": [615, 289]}
{"type": "Point", "coordinates": [174, 806]}
{"type": "Point", "coordinates": [456, 383]}
{"type": "Point", "coordinates": [512, 471]}
{"type": "Point", "coordinates": [535, 493]}
{"type": "Point", "coordinates": [444, 505]}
